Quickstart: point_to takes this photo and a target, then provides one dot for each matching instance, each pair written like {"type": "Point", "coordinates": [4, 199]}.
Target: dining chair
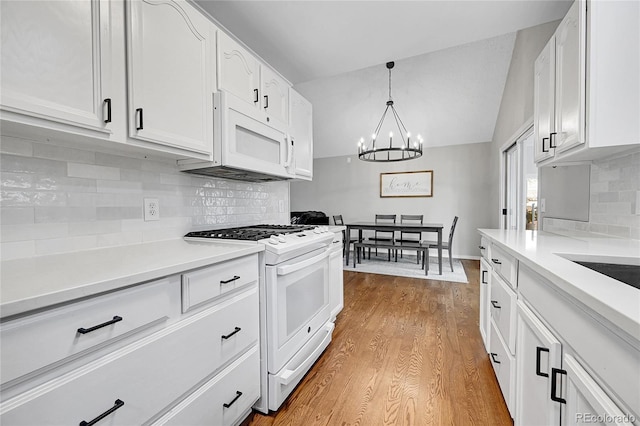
{"type": "Point", "coordinates": [408, 236]}
{"type": "Point", "coordinates": [446, 245]}
{"type": "Point", "coordinates": [346, 242]}
{"type": "Point", "coordinates": [386, 236]}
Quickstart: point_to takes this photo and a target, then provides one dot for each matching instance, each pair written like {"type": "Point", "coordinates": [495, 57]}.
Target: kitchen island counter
{"type": "Point", "coordinates": [547, 254]}
{"type": "Point", "coordinates": [33, 283]}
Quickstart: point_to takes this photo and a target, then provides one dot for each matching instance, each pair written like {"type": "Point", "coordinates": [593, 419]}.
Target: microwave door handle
{"type": "Point", "coordinates": [289, 161]}
{"type": "Point", "coordinates": [288, 269]}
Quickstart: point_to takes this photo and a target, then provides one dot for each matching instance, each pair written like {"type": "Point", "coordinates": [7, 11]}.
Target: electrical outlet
{"type": "Point", "coordinates": [543, 205]}
{"type": "Point", "coordinates": [151, 209]}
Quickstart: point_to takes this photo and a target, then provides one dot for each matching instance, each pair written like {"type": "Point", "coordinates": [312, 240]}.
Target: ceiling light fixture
{"type": "Point", "coordinates": [383, 152]}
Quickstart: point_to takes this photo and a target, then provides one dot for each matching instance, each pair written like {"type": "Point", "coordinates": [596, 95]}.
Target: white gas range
{"type": "Point", "coordinates": [294, 301]}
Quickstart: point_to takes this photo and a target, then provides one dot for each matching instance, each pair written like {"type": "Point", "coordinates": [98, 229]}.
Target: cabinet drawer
{"type": "Point", "coordinates": [213, 403]}
{"type": "Point", "coordinates": [36, 341]}
{"type": "Point", "coordinates": [206, 284]}
{"type": "Point", "coordinates": [147, 376]}
{"type": "Point", "coordinates": [503, 310]}
{"type": "Point", "coordinates": [504, 366]}
{"type": "Point", "coordinates": [484, 248]}
{"type": "Point", "coordinates": [505, 265]}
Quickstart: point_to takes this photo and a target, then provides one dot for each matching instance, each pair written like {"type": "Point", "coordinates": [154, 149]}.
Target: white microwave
{"type": "Point", "coordinates": [245, 146]}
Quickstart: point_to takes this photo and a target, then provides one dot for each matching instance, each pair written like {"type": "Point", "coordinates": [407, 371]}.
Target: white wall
{"type": "Point", "coordinates": [517, 102]}
{"type": "Point", "coordinates": [449, 97]}
{"type": "Point", "coordinates": [352, 189]}
{"type": "Point", "coordinates": [58, 199]}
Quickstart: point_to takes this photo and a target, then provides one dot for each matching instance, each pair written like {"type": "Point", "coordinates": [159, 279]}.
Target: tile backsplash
{"type": "Point", "coordinates": [58, 199]}
{"type": "Point", "coordinates": [614, 198]}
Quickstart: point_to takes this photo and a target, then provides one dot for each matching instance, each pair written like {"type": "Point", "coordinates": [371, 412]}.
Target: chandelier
{"type": "Point", "coordinates": [405, 148]}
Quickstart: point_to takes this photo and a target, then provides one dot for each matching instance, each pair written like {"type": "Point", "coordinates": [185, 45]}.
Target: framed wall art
{"type": "Point", "coordinates": [406, 184]}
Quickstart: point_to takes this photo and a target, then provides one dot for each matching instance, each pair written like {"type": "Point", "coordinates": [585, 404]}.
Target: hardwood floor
{"type": "Point", "coordinates": [404, 352]}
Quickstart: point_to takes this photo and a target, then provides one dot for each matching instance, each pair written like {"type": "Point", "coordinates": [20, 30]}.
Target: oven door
{"type": "Point", "coordinates": [297, 304]}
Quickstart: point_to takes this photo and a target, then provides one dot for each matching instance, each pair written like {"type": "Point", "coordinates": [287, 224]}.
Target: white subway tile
{"type": "Point", "coordinates": [65, 245]}
{"type": "Point", "coordinates": [92, 171]}
{"type": "Point", "coordinates": [16, 215]}
{"type": "Point", "coordinates": [119, 239]}
{"type": "Point", "coordinates": [33, 231]}
{"type": "Point", "coordinates": [62, 153]}
{"type": "Point", "coordinates": [114, 186]}
{"type": "Point", "coordinates": [64, 214]}
{"type": "Point", "coordinates": [118, 161]}
{"type": "Point", "coordinates": [114, 213]}
{"type": "Point", "coordinates": [41, 166]}
{"type": "Point", "coordinates": [95, 227]}
{"type": "Point", "coordinates": [17, 146]}
{"type": "Point", "coordinates": [17, 250]}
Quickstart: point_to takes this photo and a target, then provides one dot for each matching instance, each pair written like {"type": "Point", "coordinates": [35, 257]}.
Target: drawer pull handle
{"type": "Point", "coordinates": [83, 330]}
{"type": "Point", "coordinates": [481, 247]}
{"type": "Point", "coordinates": [237, 329]}
{"type": "Point", "coordinates": [119, 403]}
{"type": "Point", "coordinates": [538, 351]}
{"type": "Point", "coordinates": [140, 119]}
{"type": "Point", "coordinates": [238, 395]}
{"type": "Point", "coordinates": [494, 303]}
{"type": "Point", "coordinates": [496, 261]}
{"type": "Point", "coordinates": [554, 385]}
{"type": "Point", "coordinates": [235, 277]}
{"type": "Point", "coordinates": [493, 358]}
{"type": "Point", "coordinates": [483, 280]}
{"type": "Point", "coordinates": [108, 104]}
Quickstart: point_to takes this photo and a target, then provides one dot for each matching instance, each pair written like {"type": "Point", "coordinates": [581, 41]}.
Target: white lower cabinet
{"type": "Point", "coordinates": [222, 400]}
{"type": "Point", "coordinates": [485, 312]}
{"type": "Point", "coordinates": [539, 354]}
{"type": "Point", "coordinates": [586, 401]}
{"type": "Point", "coordinates": [336, 278]}
{"type": "Point", "coordinates": [200, 367]}
{"type": "Point", "coordinates": [504, 365]}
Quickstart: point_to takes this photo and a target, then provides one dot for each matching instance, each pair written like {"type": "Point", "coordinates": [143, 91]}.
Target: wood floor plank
{"type": "Point", "coordinates": [405, 351]}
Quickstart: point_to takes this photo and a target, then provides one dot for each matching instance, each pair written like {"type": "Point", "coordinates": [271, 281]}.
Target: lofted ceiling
{"type": "Point", "coordinates": [305, 40]}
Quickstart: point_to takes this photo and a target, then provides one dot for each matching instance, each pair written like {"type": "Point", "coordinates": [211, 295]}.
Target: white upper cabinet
{"type": "Point", "coordinates": [275, 96]}
{"type": "Point", "coordinates": [301, 134]}
{"type": "Point", "coordinates": [56, 63]}
{"type": "Point", "coordinates": [595, 108]}
{"type": "Point", "coordinates": [238, 71]}
{"type": "Point", "coordinates": [171, 74]}
{"type": "Point", "coordinates": [544, 101]}
{"type": "Point", "coordinates": [570, 78]}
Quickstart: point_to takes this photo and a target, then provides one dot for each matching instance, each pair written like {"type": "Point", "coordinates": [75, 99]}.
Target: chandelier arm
{"type": "Point", "coordinates": [382, 120]}
{"type": "Point", "coordinates": [400, 124]}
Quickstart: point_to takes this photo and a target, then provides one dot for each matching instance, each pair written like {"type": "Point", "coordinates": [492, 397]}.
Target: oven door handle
{"type": "Point", "coordinates": [289, 376]}
{"type": "Point", "coordinates": [288, 269]}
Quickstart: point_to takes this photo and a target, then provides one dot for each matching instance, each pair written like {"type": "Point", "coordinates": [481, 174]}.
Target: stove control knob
{"type": "Point", "coordinates": [274, 240]}
{"type": "Point", "coordinates": [281, 238]}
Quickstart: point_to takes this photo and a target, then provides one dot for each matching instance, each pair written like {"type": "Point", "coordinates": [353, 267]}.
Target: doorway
{"type": "Point", "coordinates": [521, 185]}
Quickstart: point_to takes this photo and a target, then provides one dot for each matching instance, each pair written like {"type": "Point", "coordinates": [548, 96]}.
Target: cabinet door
{"type": "Point", "coordinates": [544, 101]}
{"type": "Point", "coordinates": [336, 279]}
{"type": "Point", "coordinates": [586, 401]}
{"type": "Point", "coordinates": [301, 129]}
{"type": "Point", "coordinates": [238, 71]}
{"type": "Point", "coordinates": [170, 75]}
{"type": "Point", "coordinates": [570, 78]}
{"type": "Point", "coordinates": [538, 353]}
{"type": "Point", "coordinates": [485, 311]}
{"type": "Point", "coordinates": [55, 61]}
{"type": "Point", "coordinates": [275, 96]}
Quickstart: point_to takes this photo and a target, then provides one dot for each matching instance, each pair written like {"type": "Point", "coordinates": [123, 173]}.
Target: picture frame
{"type": "Point", "coordinates": [406, 184]}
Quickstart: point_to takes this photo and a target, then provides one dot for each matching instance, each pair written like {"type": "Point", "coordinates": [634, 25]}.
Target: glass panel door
{"type": "Point", "coordinates": [521, 185]}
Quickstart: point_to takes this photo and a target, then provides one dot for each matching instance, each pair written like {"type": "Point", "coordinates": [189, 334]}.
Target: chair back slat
{"type": "Point", "coordinates": [453, 228]}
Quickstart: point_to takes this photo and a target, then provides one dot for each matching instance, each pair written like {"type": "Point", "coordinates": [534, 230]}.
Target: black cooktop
{"type": "Point", "coordinates": [252, 233]}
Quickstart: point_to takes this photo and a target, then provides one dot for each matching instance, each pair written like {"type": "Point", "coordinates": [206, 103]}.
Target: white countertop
{"type": "Point", "coordinates": [37, 282]}
{"type": "Point", "coordinates": [617, 302]}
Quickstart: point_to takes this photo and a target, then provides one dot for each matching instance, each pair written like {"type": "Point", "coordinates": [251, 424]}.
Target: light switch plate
{"type": "Point", "coordinates": [151, 209]}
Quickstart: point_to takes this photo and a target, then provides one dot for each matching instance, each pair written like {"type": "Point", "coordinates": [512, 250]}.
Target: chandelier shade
{"type": "Point", "coordinates": [405, 148]}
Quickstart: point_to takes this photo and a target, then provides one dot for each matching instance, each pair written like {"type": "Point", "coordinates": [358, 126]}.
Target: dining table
{"type": "Point", "coordinates": [396, 227]}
